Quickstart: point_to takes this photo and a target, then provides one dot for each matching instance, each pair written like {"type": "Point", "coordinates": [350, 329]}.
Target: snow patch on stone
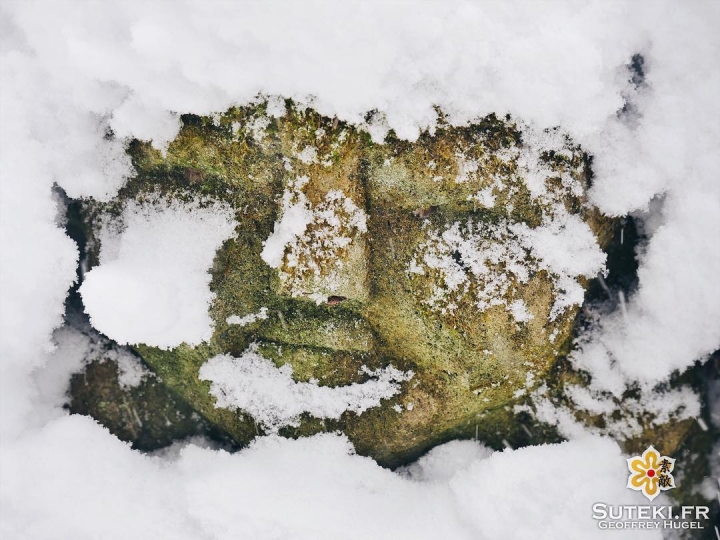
{"type": "Point", "coordinates": [152, 283]}
{"type": "Point", "coordinates": [269, 394]}
{"type": "Point", "coordinates": [248, 319]}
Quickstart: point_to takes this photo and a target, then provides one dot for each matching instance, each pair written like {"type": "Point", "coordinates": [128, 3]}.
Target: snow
{"type": "Point", "coordinates": [308, 155]}
{"type": "Point", "coordinates": [248, 319]}
{"type": "Point", "coordinates": [443, 462]}
{"type": "Point", "coordinates": [310, 488]}
{"type": "Point", "coordinates": [296, 215]}
{"type": "Point", "coordinates": [484, 197]}
{"type": "Point", "coordinates": [487, 262]}
{"type": "Point", "coordinates": [519, 311]}
{"type": "Point", "coordinates": [73, 72]}
{"type": "Point", "coordinates": [131, 371]}
{"type": "Point", "coordinates": [73, 349]}
{"type": "Point", "coordinates": [253, 384]}
{"type": "Point", "coordinates": [152, 283]}
{"type": "Point", "coordinates": [622, 418]}
{"type": "Point", "coordinates": [466, 167]}
{"type": "Point", "coordinates": [567, 249]}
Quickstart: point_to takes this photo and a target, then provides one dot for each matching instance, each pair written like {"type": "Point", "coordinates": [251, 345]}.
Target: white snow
{"type": "Point", "coordinates": [490, 263]}
{"type": "Point", "coordinates": [484, 197]}
{"type": "Point", "coordinates": [445, 461]}
{"type": "Point", "coordinates": [566, 248]}
{"type": "Point", "coordinates": [653, 408]}
{"type": "Point", "coordinates": [72, 71]}
{"type": "Point", "coordinates": [465, 168]}
{"type": "Point", "coordinates": [152, 283]}
{"type": "Point", "coordinates": [296, 215]}
{"type": "Point", "coordinates": [310, 488]}
{"type": "Point", "coordinates": [73, 350]}
{"type": "Point", "coordinates": [308, 155]}
{"type": "Point", "coordinates": [269, 394]}
{"type": "Point", "coordinates": [260, 315]}
{"type": "Point", "coordinates": [131, 372]}
{"type": "Point", "coordinates": [519, 311]}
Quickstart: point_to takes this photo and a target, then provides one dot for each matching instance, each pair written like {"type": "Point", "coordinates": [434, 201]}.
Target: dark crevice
{"type": "Point", "coordinates": [637, 69]}
{"type": "Point", "coordinates": [636, 72]}
{"type": "Point", "coordinates": [622, 266]}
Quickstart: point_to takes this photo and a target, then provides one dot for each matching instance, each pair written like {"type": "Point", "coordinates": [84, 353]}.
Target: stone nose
{"type": "Point", "coordinates": [318, 246]}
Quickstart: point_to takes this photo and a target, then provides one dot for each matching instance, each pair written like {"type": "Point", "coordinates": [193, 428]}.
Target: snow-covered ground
{"type": "Point", "coordinates": [73, 71]}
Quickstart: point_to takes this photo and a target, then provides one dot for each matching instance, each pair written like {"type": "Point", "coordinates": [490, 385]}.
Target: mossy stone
{"type": "Point", "coordinates": [331, 312]}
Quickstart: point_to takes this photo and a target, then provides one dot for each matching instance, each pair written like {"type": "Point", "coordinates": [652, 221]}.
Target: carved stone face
{"type": "Point", "coordinates": [447, 256]}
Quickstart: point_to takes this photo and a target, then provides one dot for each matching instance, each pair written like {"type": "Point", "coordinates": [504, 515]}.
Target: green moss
{"type": "Point", "coordinates": [339, 329]}
{"type": "Point", "coordinates": [179, 369]}
{"type": "Point", "coordinates": [150, 415]}
{"type": "Point", "coordinates": [326, 366]}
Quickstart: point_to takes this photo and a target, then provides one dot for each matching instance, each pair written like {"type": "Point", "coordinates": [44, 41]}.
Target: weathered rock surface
{"type": "Point", "coordinates": [442, 257]}
{"type": "Point", "coordinates": [148, 415]}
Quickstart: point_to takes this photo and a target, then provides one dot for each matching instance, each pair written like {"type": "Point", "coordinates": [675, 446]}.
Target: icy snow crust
{"type": "Point", "coordinates": [253, 384]}
{"type": "Point", "coordinates": [72, 71]}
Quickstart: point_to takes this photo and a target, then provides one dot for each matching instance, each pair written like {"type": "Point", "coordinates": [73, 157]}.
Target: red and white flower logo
{"type": "Point", "coordinates": [651, 473]}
